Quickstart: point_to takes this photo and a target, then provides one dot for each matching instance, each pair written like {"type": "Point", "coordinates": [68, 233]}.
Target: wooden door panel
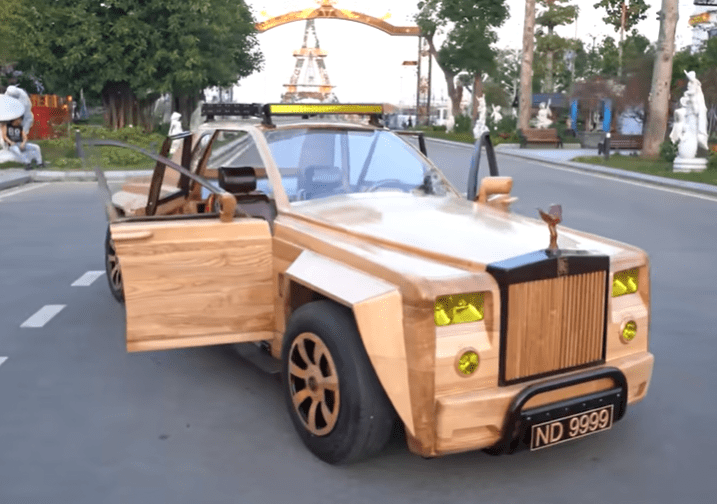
{"type": "Point", "coordinates": [195, 282]}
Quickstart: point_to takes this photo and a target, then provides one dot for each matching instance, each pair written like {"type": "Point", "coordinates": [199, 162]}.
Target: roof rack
{"type": "Point", "coordinates": [373, 110]}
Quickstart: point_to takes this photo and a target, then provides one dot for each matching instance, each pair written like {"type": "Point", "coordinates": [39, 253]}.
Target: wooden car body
{"type": "Point", "coordinates": [197, 274]}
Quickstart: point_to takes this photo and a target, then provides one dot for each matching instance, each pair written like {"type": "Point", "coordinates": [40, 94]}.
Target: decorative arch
{"type": "Point", "coordinates": [327, 11]}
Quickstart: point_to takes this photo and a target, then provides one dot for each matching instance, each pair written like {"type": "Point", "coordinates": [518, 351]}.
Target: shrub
{"type": "Point", "coordinates": [506, 125]}
{"type": "Point", "coordinates": [668, 151]}
{"type": "Point", "coordinates": [712, 162]}
{"type": "Point", "coordinates": [463, 124]}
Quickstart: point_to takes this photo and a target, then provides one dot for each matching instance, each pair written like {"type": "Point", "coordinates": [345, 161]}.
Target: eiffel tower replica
{"type": "Point", "coordinates": [310, 80]}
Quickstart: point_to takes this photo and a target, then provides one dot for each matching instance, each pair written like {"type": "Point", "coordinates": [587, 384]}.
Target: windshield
{"type": "Point", "coordinates": [316, 163]}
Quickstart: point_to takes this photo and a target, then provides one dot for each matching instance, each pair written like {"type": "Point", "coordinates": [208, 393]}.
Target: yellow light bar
{"type": "Point", "coordinates": [624, 282]}
{"type": "Point", "coordinates": [324, 108]}
{"type": "Point", "coordinates": [458, 309]}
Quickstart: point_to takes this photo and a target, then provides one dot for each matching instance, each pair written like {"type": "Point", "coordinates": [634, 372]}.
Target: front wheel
{"type": "Point", "coordinates": [112, 268]}
{"type": "Point", "coordinates": [334, 398]}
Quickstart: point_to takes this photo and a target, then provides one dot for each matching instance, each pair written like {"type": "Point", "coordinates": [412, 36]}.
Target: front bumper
{"type": "Point", "coordinates": [494, 417]}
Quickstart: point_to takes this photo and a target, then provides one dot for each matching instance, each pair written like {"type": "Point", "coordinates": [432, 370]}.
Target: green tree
{"type": "Point", "coordinates": [468, 26]}
{"type": "Point", "coordinates": [551, 14]}
{"type": "Point", "coordinates": [129, 51]}
{"type": "Point", "coordinates": [622, 15]}
{"type": "Point", "coordinates": [507, 73]}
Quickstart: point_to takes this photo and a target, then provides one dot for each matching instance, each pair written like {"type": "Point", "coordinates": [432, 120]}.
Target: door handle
{"type": "Point", "coordinates": [129, 236]}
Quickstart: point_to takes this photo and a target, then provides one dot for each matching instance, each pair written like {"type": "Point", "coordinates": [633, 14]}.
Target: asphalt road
{"type": "Point", "coordinates": [82, 421]}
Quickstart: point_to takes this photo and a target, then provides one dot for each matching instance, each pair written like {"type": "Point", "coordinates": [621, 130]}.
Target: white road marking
{"type": "Point", "coordinates": [87, 279]}
{"type": "Point", "coordinates": [43, 315]}
{"type": "Point", "coordinates": [2, 359]}
{"type": "Point", "coordinates": [28, 187]}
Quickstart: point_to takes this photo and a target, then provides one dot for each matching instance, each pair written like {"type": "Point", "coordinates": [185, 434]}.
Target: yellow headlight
{"type": "Point", "coordinates": [624, 282]}
{"type": "Point", "coordinates": [468, 362]}
{"type": "Point", "coordinates": [458, 309]}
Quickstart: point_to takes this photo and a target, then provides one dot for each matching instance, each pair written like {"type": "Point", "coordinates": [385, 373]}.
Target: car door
{"type": "Point", "coordinates": [195, 281]}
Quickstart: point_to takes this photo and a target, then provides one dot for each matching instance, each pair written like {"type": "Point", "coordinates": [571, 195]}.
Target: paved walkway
{"type": "Point", "coordinates": [12, 177]}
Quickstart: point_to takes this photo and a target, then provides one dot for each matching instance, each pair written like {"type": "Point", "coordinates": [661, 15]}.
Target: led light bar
{"type": "Point", "coordinates": [232, 109]}
{"type": "Point", "coordinates": [324, 108]}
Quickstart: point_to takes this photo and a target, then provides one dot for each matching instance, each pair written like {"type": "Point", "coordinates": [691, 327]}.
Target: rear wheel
{"type": "Point", "coordinates": [334, 398]}
{"type": "Point", "coordinates": [112, 267]}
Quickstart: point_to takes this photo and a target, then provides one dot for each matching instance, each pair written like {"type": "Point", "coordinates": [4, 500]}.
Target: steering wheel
{"type": "Point", "coordinates": [390, 182]}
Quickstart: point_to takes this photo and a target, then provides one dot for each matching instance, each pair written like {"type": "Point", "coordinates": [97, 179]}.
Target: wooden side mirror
{"type": "Point", "coordinates": [496, 191]}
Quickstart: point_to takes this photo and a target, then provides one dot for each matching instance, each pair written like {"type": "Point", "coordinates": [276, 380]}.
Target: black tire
{"type": "Point", "coordinates": [364, 419]}
{"type": "Point", "coordinates": [112, 268]}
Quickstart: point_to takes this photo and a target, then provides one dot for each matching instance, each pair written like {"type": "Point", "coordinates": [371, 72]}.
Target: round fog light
{"type": "Point", "coordinates": [628, 331]}
{"type": "Point", "coordinates": [467, 362]}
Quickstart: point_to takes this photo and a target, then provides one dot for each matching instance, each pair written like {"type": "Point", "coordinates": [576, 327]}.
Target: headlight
{"type": "Point", "coordinates": [624, 282]}
{"type": "Point", "coordinates": [458, 309]}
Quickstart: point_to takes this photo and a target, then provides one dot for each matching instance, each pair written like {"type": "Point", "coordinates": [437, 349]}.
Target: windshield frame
{"type": "Point", "coordinates": [258, 135]}
{"type": "Point", "coordinates": [360, 175]}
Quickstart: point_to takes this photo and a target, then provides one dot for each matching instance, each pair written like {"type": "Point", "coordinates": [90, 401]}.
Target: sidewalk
{"type": "Point", "coordinates": [13, 177]}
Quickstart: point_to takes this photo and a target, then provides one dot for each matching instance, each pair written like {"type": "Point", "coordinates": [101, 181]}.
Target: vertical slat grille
{"type": "Point", "coordinates": [554, 324]}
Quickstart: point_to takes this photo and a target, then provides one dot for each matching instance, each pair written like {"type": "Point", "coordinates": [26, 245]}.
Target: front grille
{"type": "Point", "coordinates": [553, 324]}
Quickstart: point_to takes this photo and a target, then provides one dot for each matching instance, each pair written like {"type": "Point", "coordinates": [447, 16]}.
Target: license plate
{"type": "Point", "coordinates": [571, 427]}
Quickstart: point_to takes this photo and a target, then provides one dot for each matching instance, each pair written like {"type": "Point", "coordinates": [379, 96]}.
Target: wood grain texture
{"type": "Point", "coordinates": [554, 324]}
{"type": "Point", "coordinates": [474, 420]}
{"type": "Point", "coordinates": [195, 283]}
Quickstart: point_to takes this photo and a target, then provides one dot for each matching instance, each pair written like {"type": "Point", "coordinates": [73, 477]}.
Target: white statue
{"type": "Point", "coordinates": [678, 124]}
{"type": "Point", "coordinates": [690, 127]}
{"type": "Point", "coordinates": [495, 114]}
{"type": "Point", "coordinates": [480, 126]}
{"type": "Point", "coordinates": [197, 118]}
{"type": "Point", "coordinates": [175, 127]}
{"type": "Point", "coordinates": [14, 129]}
{"type": "Point", "coordinates": [450, 120]}
{"type": "Point", "coordinates": [19, 94]}
{"type": "Point", "coordinates": [543, 120]}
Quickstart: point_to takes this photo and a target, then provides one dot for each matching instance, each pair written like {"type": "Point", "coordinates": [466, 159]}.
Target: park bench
{"type": "Point", "coordinates": [537, 135]}
{"type": "Point", "coordinates": [618, 141]}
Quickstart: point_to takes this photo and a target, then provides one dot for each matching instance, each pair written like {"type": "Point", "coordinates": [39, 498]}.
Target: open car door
{"type": "Point", "coordinates": [195, 281]}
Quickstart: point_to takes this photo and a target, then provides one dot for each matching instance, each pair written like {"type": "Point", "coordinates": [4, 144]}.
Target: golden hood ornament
{"type": "Point", "coordinates": [552, 218]}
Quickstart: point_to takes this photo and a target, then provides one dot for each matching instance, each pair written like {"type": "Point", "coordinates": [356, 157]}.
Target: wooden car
{"type": "Point", "coordinates": [385, 294]}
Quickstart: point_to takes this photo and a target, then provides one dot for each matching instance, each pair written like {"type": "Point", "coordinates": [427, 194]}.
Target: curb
{"type": "Point", "coordinates": [14, 180]}
{"type": "Point", "coordinates": [85, 176]}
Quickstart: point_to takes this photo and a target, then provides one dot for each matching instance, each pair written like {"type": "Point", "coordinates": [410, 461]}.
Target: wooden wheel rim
{"type": "Point", "coordinates": [114, 267]}
{"type": "Point", "coordinates": [313, 384]}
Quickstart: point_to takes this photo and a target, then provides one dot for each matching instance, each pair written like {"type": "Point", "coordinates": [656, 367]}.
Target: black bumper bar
{"type": "Point", "coordinates": [516, 430]}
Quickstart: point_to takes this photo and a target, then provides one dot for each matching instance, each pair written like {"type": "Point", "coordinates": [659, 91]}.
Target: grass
{"type": "Point", "coordinates": [658, 167]}
{"type": "Point", "coordinates": [60, 153]}
{"type": "Point", "coordinates": [455, 137]}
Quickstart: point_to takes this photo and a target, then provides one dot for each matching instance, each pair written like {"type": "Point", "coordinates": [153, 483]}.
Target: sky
{"type": "Point", "coordinates": [365, 64]}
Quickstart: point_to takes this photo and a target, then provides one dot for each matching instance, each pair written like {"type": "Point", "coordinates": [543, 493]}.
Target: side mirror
{"type": "Point", "coordinates": [496, 191]}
